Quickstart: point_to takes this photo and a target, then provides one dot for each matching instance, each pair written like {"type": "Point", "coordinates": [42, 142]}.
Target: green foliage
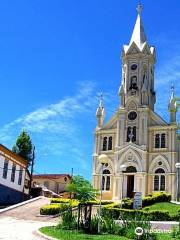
{"type": "Point", "coordinates": [127, 203]}
{"type": "Point", "coordinates": [129, 214]}
{"type": "Point", "coordinates": [23, 146]}
{"type": "Point", "coordinates": [64, 200]}
{"type": "Point", "coordinates": [58, 206]}
{"type": "Point", "coordinates": [110, 226]}
{"type": "Point", "coordinates": [77, 235]}
{"type": "Point", "coordinates": [173, 209]}
{"type": "Point", "coordinates": [94, 225]}
{"type": "Point", "coordinates": [81, 189]}
{"type": "Point", "coordinates": [69, 221]}
{"type": "Point", "coordinates": [97, 202]}
{"type": "Point", "coordinates": [176, 232]}
{"type": "Point", "coordinates": [155, 198]}
{"type": "Point", "coordinates": [53, 209]}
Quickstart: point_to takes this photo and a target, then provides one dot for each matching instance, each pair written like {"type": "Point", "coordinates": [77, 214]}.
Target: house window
{"type": "Point", "coordinates": [5, 169]}
{"type": "Point", "coordinates": [106, 180]}
{"type": "Point", "coordinates": [159, 180]}
{"type": "Point", "coordinates": [160, 140]}
{"type": "Point", "coordinates": [13, 173]}
{"type": "Point", "coordinates": [20, 176]}
{"type": "Point", "coordinates": [107, 143]}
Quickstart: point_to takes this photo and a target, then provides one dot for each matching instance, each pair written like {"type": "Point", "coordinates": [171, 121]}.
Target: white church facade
{"type": "Point", "coordinates": [140, 147]}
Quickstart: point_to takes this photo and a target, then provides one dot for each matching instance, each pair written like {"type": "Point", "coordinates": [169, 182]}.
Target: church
{"type": "Point", "coordinates": [140, 148]}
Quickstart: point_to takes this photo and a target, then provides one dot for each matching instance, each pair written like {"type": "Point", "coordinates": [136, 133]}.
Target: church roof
{"type": "Point", "coordinates": [138, 38]}
{"type": "Point", "coordinates": [138, 35]}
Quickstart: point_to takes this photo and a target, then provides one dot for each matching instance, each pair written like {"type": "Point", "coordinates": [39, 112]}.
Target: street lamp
{"type": "Point", "coordinates": [122, 169]}
{"type": "Point", "coordinates": [103, 159]}
{"type": "Point", "coordinates": [177, 179]}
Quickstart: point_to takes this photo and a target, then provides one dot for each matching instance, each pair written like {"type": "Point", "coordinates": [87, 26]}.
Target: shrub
{"type": "Point", "coordinates": [97, 202]}
{"type": "Point", "coordinates": [110, 226]}
{"type": "Point", "coordinates": [69, 221]}
{"type": "Point", "coordinates": [53, 209]}
{"type": "Point", "coordinates": [130, 214]}
{"type": "Point", "coordinates": [155, 198]}
{"type": "Point", "coordinates": [94, 224]}
{"type": "Point", "coordinates": [63, 200]}
{"type": "Point", "coordinates": [127, 203]}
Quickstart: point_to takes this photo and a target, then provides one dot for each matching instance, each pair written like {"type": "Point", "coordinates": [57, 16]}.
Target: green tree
{"type": "Point", "coordinates": [82, 189]}
{"type": "Point", "coordinates": [23, 146]}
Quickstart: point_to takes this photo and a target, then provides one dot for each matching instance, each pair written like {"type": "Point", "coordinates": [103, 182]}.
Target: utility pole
{"type": "Point", "coordinates": [32, 170]}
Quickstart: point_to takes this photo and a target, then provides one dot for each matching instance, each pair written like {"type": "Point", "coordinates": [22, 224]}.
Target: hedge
{"type": "Point", "coordinates": [155, 198]}
{"type": "Point", "coordinates": [130, 214]}
{"type": "Point", "coordinates": [56, 208]}
{"type": "Point", "coordinates": [63, 200]}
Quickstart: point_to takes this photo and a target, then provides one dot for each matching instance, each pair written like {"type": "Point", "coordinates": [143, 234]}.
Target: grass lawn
{"type": "Point", "coordinates": [167, 206]}
{"type": "Point", "coordinates": [75, 235]}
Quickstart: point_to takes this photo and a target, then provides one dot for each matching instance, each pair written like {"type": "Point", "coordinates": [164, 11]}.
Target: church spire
{"type": "Point", "coordinates": [172, 106]}
{"type": "Point", "coordinates": [100, 112]}
{"type": "Point", "coordinates": [138, 35]}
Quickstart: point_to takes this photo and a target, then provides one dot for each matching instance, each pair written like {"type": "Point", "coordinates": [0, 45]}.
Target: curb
{"type": "Point", "coordinates": [38, 233]}
{"type": "Point", "coordinates": [19, 204]}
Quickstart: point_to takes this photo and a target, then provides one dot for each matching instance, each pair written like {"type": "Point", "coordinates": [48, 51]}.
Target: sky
{"type": "Point", "coordinates": [55, 59]}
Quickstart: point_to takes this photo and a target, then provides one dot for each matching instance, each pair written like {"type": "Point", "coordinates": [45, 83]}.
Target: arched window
{"type": "Point", "coordinates": [131, 169]}
{"type": "Point", "coordinates": [104, 143]}
{"type": "Point", "coordinates": [106, 180]}
{"type": "Point", "coordinates": [131, 131]}
{"type": "Point", "coordinates": [110, 143]}
{"type": "Point", "coordinates": [159, 180]}
{"type": "Point", "coordinates": [133, 83]}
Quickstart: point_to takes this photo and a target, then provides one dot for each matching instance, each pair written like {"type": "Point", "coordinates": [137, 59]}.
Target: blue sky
{"type": "Point", "coordinates": [56, 56]}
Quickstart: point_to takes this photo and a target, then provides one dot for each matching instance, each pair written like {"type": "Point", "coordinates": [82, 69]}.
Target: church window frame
{"type": "Point", "coordinates": [107, 143]}
{"type": "Point", "coordinates": [106, 180]}
{"type": "Point", "coordinates": [159, 180]}
{"type": "Point", "coordinates": [160, 140]}
{"type": "Point", "coordinates": [133, 83]}
{"type": "Point", "coordinates": [134, 131]}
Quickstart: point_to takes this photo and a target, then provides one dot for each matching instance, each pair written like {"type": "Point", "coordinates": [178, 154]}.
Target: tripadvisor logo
{"type": "Point", "coordinates": [139, 231]}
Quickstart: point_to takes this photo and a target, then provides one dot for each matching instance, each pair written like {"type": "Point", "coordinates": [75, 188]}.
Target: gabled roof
{"type": "Point", "coordinates": [13, 156]}
{"type": "Point", "coordinates": [50, 176]}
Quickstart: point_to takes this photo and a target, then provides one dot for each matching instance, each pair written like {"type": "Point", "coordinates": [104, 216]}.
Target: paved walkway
{"type": "Point", "coordinates": [16, 229]}
{"type": "Point", "coordinates": [22, 222]}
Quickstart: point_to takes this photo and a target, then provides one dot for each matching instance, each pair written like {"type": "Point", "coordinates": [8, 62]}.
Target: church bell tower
{"type": "Point", "coordinates": [138, 60]}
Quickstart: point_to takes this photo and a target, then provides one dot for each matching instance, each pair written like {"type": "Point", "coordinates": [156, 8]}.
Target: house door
{"type": "Point", "coordinates": [130, 186]}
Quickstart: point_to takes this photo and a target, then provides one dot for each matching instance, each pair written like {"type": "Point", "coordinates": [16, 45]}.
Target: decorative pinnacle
{"type": "Point", "coordinates": [139, 8]}
{"type": "Point", "coordinates": [101, 100]}
{"type": "Point", "coordinates": [172, 88]}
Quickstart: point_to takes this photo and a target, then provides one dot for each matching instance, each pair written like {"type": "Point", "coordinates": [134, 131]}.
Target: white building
{"type": "Point", "coordinates": [141, 148]}
{"type": "Point", "coordinates": [14, 178]}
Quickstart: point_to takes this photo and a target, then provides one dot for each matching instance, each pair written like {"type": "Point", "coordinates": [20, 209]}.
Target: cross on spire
{"type": "Point", "coordinates": [139, 8]}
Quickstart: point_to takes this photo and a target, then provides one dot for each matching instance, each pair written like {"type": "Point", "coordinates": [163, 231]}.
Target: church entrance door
{"type": "Point", "coordinates": [130, 186]}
